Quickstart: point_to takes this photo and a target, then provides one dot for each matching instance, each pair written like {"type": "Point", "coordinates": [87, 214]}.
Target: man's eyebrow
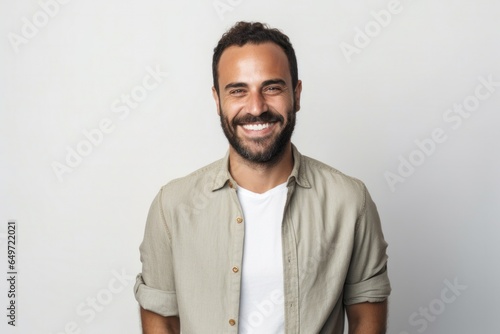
{"type": "Point", "coordinates": [274, 82]}
{"type": "Point", "coordinates": [265, 83]}
{"type": "Point", "coordinates": [235, 85]}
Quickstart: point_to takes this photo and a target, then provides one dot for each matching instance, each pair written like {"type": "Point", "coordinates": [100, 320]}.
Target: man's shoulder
{"type": "Point", "coordinates": [317, 171]}
{"type": "Point", "coordinates": [202, 177]}
{"type": "Point", "coordinates": [327, 178]}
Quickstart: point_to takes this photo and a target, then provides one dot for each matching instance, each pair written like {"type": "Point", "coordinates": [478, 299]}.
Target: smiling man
{"type": "Point", "coordinates": [265, 240]}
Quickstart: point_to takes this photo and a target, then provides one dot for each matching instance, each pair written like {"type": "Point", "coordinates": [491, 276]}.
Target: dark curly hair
{"type": "Point", "coordinates": [255, 33]}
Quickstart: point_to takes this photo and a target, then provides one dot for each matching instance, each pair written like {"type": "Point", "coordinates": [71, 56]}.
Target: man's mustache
{"type": "Point", "coordinates": [266, 117]}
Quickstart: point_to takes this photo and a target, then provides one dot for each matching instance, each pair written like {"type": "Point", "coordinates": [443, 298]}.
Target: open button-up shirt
{"type": "Point", "coordinates": [334, 252]}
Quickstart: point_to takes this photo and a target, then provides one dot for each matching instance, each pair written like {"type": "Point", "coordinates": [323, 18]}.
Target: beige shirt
{"type": "Point", "coordinates": [334, 252]}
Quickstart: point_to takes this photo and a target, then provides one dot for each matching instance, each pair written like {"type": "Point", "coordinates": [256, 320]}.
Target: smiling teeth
{"type": "Point", "coordinates": [256, 127]}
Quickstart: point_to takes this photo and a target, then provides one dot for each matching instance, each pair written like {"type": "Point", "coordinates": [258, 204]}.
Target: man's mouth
{"type": "Point", "coordinates": [256, 126]}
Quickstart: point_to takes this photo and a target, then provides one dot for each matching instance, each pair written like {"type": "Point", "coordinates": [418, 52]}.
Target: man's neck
{"type": "Point", "coordinates": [259, 178]}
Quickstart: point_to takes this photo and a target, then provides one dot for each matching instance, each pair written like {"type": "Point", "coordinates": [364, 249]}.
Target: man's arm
{"type": "Point", "coordinates": [153, 323]}
{"type": "Point", "coordinates": [367, 318]}
{"type": "Point", "coordinates": [154, 288]}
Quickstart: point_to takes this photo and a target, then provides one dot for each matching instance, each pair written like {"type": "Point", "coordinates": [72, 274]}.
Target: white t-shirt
{"type": "Point", "coordinates": [261, 300]}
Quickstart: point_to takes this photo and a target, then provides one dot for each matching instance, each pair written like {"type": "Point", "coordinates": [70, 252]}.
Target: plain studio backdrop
{"type": "Point", "coordinates": [102, 102]}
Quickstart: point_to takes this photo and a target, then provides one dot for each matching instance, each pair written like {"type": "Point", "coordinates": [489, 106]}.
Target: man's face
{"type": "Point", "coordinates": [256, 101]}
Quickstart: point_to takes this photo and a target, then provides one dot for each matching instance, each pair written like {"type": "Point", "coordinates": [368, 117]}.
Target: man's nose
{"type": "Point", "coordinates": [256, 104]}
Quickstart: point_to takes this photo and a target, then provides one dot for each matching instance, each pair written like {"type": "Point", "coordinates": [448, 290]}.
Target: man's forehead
{"type": "Point", "coordinates": [266, 56]}
{"type": "Point", "coordinates": [252, 48]}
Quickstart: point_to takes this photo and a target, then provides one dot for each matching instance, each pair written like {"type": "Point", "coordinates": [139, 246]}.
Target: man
{"type": "Point", "coordinates": [265, 240]}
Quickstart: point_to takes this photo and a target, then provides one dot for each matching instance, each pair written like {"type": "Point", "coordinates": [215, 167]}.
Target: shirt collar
{"type": "Point", "coordinates": [297, 175]}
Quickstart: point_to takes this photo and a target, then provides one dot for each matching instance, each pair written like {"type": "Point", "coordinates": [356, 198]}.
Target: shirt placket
{"type": "Point", "coordinates": [290, 269]}
{"type": "Point", "coordinates": [236, 221]}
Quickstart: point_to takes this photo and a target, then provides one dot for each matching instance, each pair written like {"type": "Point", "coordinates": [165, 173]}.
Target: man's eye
{"type": "Point", "coordinates": [237, 91]}
{"type": "Point", "coordinates": [273, 89]}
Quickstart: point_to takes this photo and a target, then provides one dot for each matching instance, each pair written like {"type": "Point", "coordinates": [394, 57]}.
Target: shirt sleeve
{"type": "Point", "coordinates": [155, 288]}
{"type": "Point", "coordinates": [367, 279]}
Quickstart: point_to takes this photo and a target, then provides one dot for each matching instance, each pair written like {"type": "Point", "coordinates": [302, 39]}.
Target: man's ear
{"type": "Point", "coordinates": [216, 99]}
{"type": "Point", "coordinates": [296, 95]}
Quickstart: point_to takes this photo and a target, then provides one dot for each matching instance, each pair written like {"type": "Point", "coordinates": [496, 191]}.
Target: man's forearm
{"type": "Point", "coordinates": [367, 318]}
{"type": "Point", "coordinates": [153, 323]}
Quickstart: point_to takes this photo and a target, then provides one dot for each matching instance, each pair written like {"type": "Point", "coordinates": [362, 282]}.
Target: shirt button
{"type": "Point", "coordinates": [232, 322]}
{"type": "Point", "coordinates": [235, 269]}
{"type": "Point", "coordinates": [230, 184]}
{"type": "Point", "coordinates": [239, 220]}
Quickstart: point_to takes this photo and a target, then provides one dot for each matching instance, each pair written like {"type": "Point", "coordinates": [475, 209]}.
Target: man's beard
{"type": "Point", "coordinates": [272, 148]}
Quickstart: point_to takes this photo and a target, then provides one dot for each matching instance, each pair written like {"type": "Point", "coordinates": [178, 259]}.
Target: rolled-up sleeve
{"type": "Point", "coordinates": [367, 279]}
{"type": "Point", "coordinates": [155, 287]}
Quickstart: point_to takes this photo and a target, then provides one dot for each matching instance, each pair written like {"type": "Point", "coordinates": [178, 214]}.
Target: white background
{"type": "Point", "coordinates": [361, 113]}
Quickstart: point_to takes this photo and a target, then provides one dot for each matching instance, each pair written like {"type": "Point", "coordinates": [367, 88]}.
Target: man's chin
{"type": "Point", "coordinates": [261, 155]}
